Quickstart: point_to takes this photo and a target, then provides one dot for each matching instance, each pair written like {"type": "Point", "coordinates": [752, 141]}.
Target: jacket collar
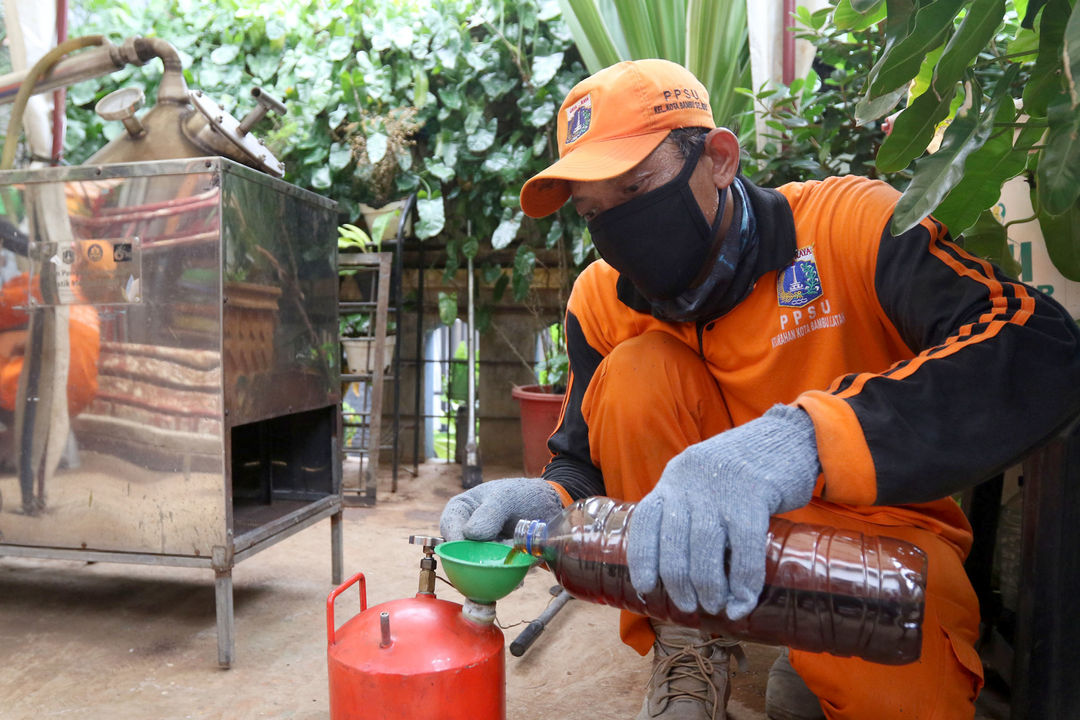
{"type": "Point", "coordinates": [775, 235]}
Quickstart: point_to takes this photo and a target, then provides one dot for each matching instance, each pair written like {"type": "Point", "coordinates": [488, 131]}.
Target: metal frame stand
{"type": "Point", "coordinates": [221, 561]}
{"type": "Point", "coordinates": [378, 265]}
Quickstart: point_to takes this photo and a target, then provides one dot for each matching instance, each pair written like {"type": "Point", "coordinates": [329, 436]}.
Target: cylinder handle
{"type": "Point", "coordinates": [330, 627]}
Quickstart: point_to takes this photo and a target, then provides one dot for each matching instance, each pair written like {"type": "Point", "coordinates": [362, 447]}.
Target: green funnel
{"type": "Point", "coordinates": [478, 571]}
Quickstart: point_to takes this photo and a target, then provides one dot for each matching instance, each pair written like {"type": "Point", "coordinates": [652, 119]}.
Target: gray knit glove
{"type": "Point", "coordinates": [492, 509]}
{"type": "Point", "coordinates": [719, 494]}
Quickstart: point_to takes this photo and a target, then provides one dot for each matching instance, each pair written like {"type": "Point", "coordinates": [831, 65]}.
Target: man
{"type": "Point", "coordinates": [740, 353]}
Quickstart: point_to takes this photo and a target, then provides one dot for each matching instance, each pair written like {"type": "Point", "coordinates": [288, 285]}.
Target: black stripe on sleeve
{"type": "Point", "coordinates": [572, 466]}
{"type": "Point", "coordinates": [997, 369]}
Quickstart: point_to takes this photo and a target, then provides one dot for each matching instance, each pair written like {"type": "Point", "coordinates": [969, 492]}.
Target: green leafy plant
{"type": "Point", "coordinates": [462, 93]}
{"type": "Point", "coordinates": [354, 325]}
{"type": "Point", "coordinates": [359, 325]}
{"type": "Point", "coordinates": [554, 368]}
{"type": "Point", "coordinates": [810, 129]}
{"type": "Point", "coordinates": [379, 147]}
{"type": "Point", "coordinates": [1006, 73]}
{"type": "Point", "coordinates": [353, 238]}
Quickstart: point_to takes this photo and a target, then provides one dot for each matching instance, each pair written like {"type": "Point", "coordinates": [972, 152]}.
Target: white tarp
{"type": "Point", "coordinates": [31, 29]}
{"type": "Point", "coordinates": [766, 24]}
{"type": "Point", "coordinates": [1029, 249]}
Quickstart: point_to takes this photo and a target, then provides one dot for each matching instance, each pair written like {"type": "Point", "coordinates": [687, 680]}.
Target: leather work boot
{"type": "Point", "coordinates": [786, 695]}
{"type": "Point", "coordinates": [690, 675]}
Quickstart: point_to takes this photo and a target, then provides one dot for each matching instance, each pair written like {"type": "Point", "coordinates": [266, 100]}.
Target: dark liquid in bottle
{"type": "Point", "coordinates": [826, 590]}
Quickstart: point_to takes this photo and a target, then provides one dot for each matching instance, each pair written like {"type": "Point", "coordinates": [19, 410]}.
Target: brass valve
{"type": "Point", "coordinates": [428, 563]}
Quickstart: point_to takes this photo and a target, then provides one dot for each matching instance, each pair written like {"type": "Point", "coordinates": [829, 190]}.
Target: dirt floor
{"type": "Point", "coordinates": [102, 640]}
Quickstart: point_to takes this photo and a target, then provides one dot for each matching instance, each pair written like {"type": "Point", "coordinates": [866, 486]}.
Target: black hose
{"type": "Point", "coordinates": [528, 636]}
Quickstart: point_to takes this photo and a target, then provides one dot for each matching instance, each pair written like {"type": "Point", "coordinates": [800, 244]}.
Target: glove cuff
{"type": "Point", "coordinates": [782, 440]}
{"type": "Point", "coordinates": [564, 496]}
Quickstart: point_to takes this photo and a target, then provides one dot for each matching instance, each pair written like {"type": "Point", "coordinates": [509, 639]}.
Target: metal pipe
{"type": "Point", "coordinates": [418, 419]}
{"type": "Point", "coordinates": [398, 274]}
{"type": "Point", "coordinates": [172, 87]}
{"type": "Point", "coordinates": [23, 93]}
{"type": "Point", "coordinates": [84, 66]}
{"type": "Point", "coordinates": [263, 104]}
{"type": "Point", "coordinates": [59, 95]}
{"type": "Point", "coordinates": [107, 58]}
{"type": "Point", "coordinates": [471, 347]}
{"type": "Point", "coordinates": [788, 45]}
{"type": "Point", "coordinates": [384, 627]}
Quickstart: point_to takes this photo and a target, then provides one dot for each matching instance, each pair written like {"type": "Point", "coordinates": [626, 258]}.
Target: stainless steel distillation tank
{"type": "Point", "coordinates": [169, 375]}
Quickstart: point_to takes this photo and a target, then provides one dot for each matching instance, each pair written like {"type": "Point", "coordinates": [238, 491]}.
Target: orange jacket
{"type": "Point", "coordinates": [83, 334]}
{"type": "Point", "coordinates": [924, 369]}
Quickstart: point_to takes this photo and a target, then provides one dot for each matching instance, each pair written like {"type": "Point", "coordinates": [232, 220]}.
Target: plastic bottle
{"type": "Point", "coordinates": [826, 590]}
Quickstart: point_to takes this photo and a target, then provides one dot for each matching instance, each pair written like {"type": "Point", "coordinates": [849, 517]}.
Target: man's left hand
{"type": "Point", "coordinates": [719, 494]}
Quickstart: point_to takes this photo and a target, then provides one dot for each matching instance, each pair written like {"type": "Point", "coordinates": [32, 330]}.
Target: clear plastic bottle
{"type": "Point", "coordinates": [826, 590]}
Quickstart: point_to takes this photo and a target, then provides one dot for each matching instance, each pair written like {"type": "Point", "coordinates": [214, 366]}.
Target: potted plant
{"type": "Point", "coordinates": [381, 145]}
{"type": "Point", "coordinates": [541, 402]}
{"type": "Point", "coordinates": [357, 329]}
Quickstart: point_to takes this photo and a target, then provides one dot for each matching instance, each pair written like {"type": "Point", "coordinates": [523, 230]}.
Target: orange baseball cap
{"type": "Point", "coordinates": [611, 121]}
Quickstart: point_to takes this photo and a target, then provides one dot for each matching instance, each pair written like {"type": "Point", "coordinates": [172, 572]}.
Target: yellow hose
{"type": "Point", "coordinates": [42, 66]}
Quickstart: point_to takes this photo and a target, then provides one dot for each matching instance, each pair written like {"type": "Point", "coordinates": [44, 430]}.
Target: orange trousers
{"type": "Point", "coordinates": [651, 397]}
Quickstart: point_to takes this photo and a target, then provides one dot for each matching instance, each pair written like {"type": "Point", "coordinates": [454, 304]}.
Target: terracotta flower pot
{"type": "Point", "coordinates": [540, 410]}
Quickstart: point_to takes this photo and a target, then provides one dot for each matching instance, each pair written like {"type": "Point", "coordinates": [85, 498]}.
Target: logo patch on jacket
{"type": "Point", "coordinates": [799, 283]}
{"type": "Point", "coordinates": [578, 118]}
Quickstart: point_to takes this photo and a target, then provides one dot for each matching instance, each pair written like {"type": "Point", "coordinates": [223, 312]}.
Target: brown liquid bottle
{"type": "Point", "coordinates": [826, 590]}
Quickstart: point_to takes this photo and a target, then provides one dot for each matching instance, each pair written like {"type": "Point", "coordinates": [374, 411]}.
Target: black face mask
{"type": "Point", "coordinates": [660, 240]}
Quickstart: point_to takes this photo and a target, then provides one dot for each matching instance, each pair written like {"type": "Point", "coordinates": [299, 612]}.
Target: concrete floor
{"type": "Point", "coordinates": [127, 641]}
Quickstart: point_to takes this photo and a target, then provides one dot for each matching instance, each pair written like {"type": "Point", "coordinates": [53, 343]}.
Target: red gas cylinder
{"type": "Point", "coordinates": [415, 659]}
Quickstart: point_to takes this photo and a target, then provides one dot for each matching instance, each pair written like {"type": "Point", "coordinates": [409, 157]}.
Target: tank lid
{"type": "Point", "coordinates": [226, 131]}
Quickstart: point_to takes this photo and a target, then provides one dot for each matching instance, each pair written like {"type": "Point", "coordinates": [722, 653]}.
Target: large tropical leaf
{"type": "Point", "coordinates": [1059, 168]}
{"type": "Point", "coordinates": [636, 23]}
{"type": "Point", "coordinates": [913, 130]}
{"type": "Point", "coordinates": [985, 171]}
{"type": "Point", "coordinates": [847, 17]}
{"type": "Point", "coordinates": [1045, 82]}
{"type": "Point", "coordinates": [870, 110]}
{"type": "Point", "coordinates": [988, 239]}
{"type": "Point", "coordinates": [898, 23]}
{"type": "Point", "coordinates": [1072, 56]}
{"type": "Point", "coordinates": [716, 42]}
{"type": "Point", "coordinates": [936, 175]}
{"type": "Point", "coordinates": [1061, 233]}
{"type": "Point", "coordinates": [866, 6]}
{"type": "Point", "coordinates": [1032, 10]}
{"type": "Point", "coordinates": [976, 31]}
{"type": "Point", "coordinates": [590, 33]}
{"type": "Point", "coordinates": [901, 62]}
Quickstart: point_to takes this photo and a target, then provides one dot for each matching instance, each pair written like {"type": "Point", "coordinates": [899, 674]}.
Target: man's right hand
{"type": "Point", "coordinates": [492, 509]}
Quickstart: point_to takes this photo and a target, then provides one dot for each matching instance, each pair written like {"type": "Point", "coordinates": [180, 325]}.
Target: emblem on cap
{"type": "Point", "coordinates": [799, 283]}
{"type": "Point", "coordinates": [578, 117]}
